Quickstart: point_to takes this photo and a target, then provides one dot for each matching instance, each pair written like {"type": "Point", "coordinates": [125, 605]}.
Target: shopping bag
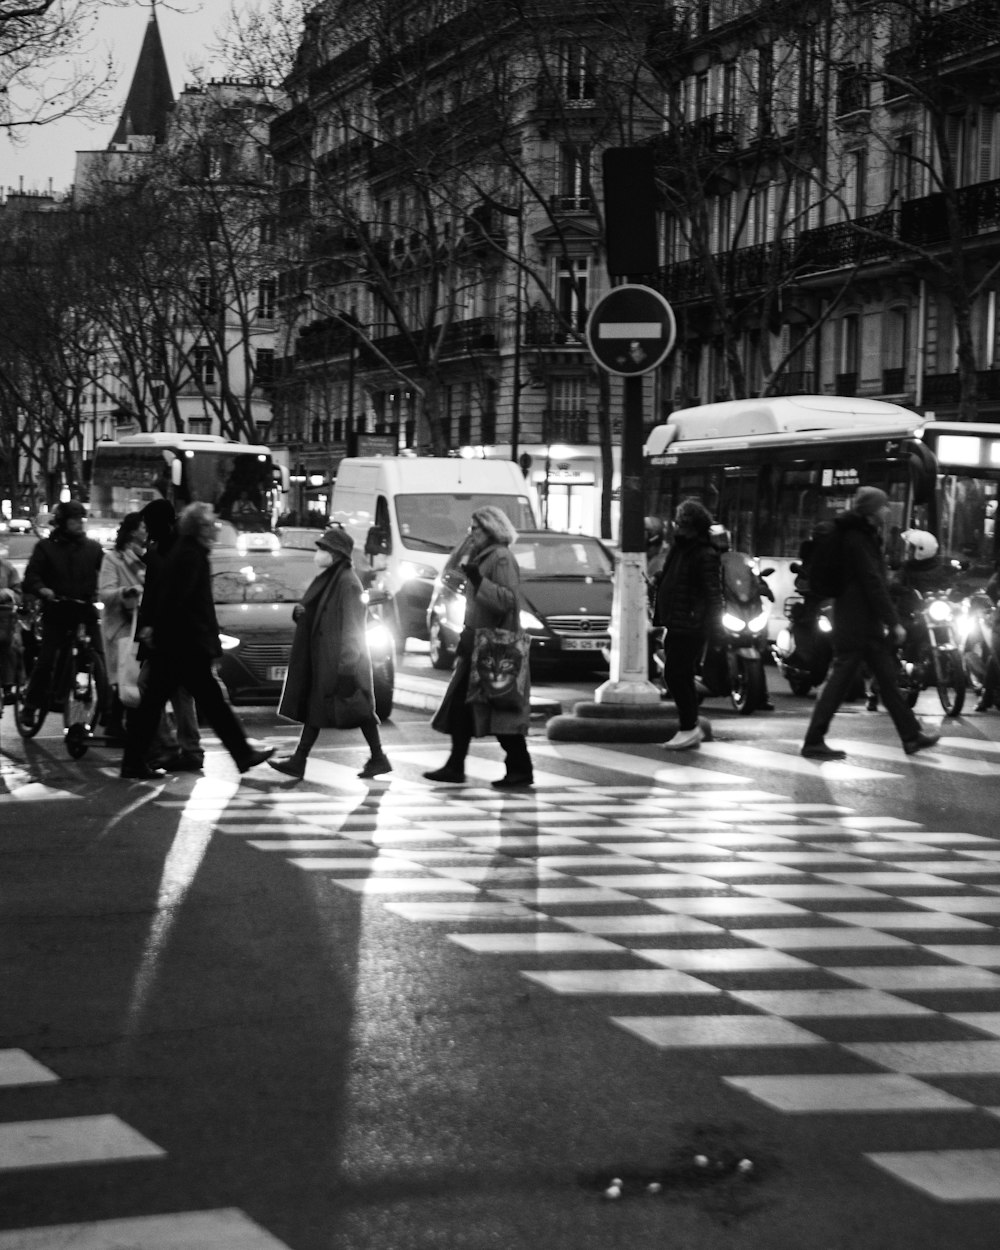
{"type": "Point", "coordinates": [128, 667]}
{"type": "Point", "coordinates": [498, 673]}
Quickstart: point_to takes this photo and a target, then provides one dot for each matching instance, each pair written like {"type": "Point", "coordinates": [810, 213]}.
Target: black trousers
{"type": "Point", "coordinates": [846, 666]}
{"type": "Point", "coordinates": [515, 746]}
{"type": "Point", "coordinates": [195, 674]}
{"type": "Point", "coordinates": [681, 653]}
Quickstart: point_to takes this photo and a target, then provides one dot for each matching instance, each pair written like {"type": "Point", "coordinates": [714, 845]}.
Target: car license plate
{"type": "Point", "coordinates": [586, 644]}
{"type": "Point", "coordinates": [277, 672]}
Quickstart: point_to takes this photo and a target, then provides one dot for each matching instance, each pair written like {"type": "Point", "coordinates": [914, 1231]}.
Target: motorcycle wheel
{"type": "Point", "coordinates": [951, 683]}
{"type": "Point", "coordinates": [748, 685]}
{"type": "Point", "coordinates": [384, 677]}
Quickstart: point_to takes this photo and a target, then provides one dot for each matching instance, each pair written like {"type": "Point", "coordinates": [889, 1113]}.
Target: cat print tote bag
{"type": "Point", "coordinates": [498, 674]}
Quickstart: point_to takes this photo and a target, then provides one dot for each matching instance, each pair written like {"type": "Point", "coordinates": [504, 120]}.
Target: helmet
{"type": "Point", "coordinates": [720, 538]}
{"type": "Point", "coordinates": [920, 545]}
{"type": "Point", "coordinates": [654, 528]}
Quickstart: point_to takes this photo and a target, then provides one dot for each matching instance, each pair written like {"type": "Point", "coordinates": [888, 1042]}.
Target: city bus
{"type": "Point", "coordinates": [242, 482]}
{"type": "Point", "coordinates": [769, 469]}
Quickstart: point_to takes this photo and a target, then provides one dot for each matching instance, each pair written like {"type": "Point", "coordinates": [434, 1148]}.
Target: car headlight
{"type": "Point", "coordinates": [379, 638]}
{"type": "Point", "coordinates": [733, 623]}
{"type": "Point", "coordinates": [529, 620]}
{"type": "Point", "coordinates": [409, 569]}
{"type": "Point", "coordinates": [824, 624]}
{"type": "Point", "coordinates": [939, 610]}
{"type": "Point", "coordinates": [229, 642]}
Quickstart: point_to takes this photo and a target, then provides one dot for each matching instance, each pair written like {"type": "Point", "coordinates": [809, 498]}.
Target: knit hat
{"type": "Point", "coordinates": [868, 500]}
{"type": "Point", "coordinates": [337, 541]}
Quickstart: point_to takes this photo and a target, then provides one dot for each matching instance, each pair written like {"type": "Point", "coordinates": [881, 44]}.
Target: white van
{"type": "Point", "coordinates": [407, 513]}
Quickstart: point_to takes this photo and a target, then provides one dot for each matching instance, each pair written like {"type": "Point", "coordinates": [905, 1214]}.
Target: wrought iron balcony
{"type": "Point", "coordinates": [894, 381]}
{"type": "Point", "coordinates": [846, 243]}
{"type": "Point", "coordinates": [794, 382]}
{"type": "Point", "coordinates": [746, 269]}
{"type": "Point", "coordinates": [845, 384]}
{"type": "Point", "coordinates": [548, 329]}
{"type": "Point", "coordinates": [476, 334]}
{"type": "Point", "coordinates": [925, 220]}
{"type": "Point", "coordinates": [946, 388]}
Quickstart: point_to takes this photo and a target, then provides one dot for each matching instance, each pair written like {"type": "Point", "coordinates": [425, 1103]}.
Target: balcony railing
{"type": "Point", "coordinates": [477, 334]}
{"type": "Point", "coordinates": [548, 329]}
{"type": "Point", "coordinates": [565, 427]}
{"type": "Point", "coordinates": [748, 268]}
{"type": "Point", "coordinates": [894, 381]}
{"type": "Point", "coordinates": [846, 243]}
{"type": "Point", "coordinates": [794, 382]}
{"type": "Point", "coordinates": [926, 220]}
{"type": "Point", "coordinates": [853, 91]}
{"type": "Point", "coordinates": [845, 384]}
{"type": "Point", "coordinates": [946, 388]}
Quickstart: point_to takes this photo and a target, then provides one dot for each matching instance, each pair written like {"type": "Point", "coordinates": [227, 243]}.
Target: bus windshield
{"type": "Point", "coordinates": [239, 482]}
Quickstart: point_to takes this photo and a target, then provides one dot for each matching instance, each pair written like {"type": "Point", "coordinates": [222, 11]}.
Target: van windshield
{"type": "Point", "coordinates": [439, 522]}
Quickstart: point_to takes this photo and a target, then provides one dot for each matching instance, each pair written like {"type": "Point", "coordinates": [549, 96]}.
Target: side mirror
{"type": "Point", "coordinates": [378, 542]}
{"type": "Point", "coordinates": [794, 567]}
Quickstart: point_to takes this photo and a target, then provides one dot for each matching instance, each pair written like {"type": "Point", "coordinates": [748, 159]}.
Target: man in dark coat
{"type": "Point", "coordinates": [184, 644]}
{"type": "Point", "coordinates": [865, 624]}
{"type": "Point", "coordinates": [63, 566]}
{"type": "Point", "coordinates": [689, 605]}
{"type": "Point", "coordinates": [329, 684]}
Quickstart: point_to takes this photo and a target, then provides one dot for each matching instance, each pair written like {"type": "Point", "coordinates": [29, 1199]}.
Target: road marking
{"type": "Point", "coordinates": [73, 1139]}
{"type": "Point", "coordinates": [225, 1229]}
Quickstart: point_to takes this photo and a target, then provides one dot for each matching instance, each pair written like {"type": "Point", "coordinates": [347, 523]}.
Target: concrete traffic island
{"type": "Point", "coordinates": [619, 722]}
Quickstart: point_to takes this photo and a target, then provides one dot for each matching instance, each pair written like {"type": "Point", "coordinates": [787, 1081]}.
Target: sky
{"type": "Point", "coordinates": [48, 155]}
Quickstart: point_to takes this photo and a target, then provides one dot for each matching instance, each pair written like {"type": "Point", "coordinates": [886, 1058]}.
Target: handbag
{"type": "Point", "coordinates": [349, 711]}
{"type": "Point", "coordinates": [498, 672]}
{"type": "Point", "coordinates": [128, 667]}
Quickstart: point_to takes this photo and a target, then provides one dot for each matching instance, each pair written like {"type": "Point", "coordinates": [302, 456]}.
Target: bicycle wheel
{"type": "Point", "coordinates": [80, 706]}
{"type": "Point", "coordinates": [27, 728]}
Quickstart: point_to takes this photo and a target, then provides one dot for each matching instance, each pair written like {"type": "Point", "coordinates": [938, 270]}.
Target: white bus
{"type": "Point", "coordinates": [769, 469]}
{"type": "Point", "coordinates": [242, 482]}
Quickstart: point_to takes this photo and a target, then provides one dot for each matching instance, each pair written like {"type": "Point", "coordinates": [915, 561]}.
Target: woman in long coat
{"type": "Point", "coordinates": [492, 601]}
{"type": "Point", "coordinates": [329, 684]}
{"type": "Point", "coordinates": [120, 590]}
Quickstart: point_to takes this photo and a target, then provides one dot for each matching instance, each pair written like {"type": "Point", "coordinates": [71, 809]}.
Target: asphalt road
{"type": "Point", "coordinates": [332, 1015]}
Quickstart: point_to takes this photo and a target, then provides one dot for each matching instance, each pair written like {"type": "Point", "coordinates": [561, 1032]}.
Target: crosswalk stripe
{"type": "Point", "coordinates": [224, 1229]}
{"type": "Point", "coordinates": [759, 760]}
{"type": "Point", "coordinates": [71, 1140]}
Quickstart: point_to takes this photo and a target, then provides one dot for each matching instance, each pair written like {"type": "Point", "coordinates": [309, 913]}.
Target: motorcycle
{"type": "Point", "coordinates": [803, 648]}
{"type": "Point", "coordinates": [976, 624]}
{"type": "Point", "coordinates": [932, 654]}
{"type": "Point", "coordinates": [735, 667]}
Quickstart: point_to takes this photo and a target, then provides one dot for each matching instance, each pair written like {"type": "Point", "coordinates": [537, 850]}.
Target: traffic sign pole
{"type": "Point", "coordinates": [630, 333]}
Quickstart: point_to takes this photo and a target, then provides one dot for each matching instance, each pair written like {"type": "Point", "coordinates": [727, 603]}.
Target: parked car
{"type": "Point", "coordinates": [254, 594]}
{"type": "Point", "coordinates": [17, 548]}
{"type": "Point", "coordinates": [567, 589]}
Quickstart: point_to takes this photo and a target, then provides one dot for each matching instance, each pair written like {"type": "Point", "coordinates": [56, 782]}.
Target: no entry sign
{"type": "Point", "coordinates": [631, 330]}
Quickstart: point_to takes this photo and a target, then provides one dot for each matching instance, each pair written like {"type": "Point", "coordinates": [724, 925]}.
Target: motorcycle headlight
{"type": "Point", "coordinates": [784, 640]}
{"type": "Point", "coordinates": [757, 623]}
{"type": "Point", "coordinates": [734, 624]}
{"type": "Point", "coordinates": [824, 624]}
{"type": "Point", "coordinates": [939, 610]}
{"type": "Point", "coordinates": [228, 642]}
{"type": "Point", "coordinates": [379, 638]}
{"type": "Point", "coordinates": [410, 569]}
{"type": "Point", "coordinates": [529, 620]}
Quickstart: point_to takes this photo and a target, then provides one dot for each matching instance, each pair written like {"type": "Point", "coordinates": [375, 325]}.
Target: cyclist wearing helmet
{"type": "Point", "coordinates": [63, 566]}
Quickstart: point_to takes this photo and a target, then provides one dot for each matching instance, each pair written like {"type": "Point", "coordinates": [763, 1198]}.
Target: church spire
{"type": "Point", "coordinates": [150, 98]}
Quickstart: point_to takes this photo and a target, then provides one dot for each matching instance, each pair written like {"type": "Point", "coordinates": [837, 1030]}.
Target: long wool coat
{"type": "Point", "coordinates": [496, 604]}
{"type": "Point", "coordinates": [330, 642]}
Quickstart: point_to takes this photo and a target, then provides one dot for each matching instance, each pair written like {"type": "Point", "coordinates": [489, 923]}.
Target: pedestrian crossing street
{"type": "Point", "coordinates": [823, 961]}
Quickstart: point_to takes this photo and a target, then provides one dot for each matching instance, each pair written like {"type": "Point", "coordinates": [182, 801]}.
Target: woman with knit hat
{"type": "Point", "coordinates": [329, 684]}
{"type": "Point", "coordinates": [865, 627]}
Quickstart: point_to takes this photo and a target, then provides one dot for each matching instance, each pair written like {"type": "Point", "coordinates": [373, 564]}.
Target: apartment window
{"type": "Point", "coordinates": [896, 350]}
{"type": "Point", "coordinates": [904, 168]}
{"type": "Point", "coordinates": [578, 80]}
{"type": "Point", "coordinates": [267, 294]}
{"type": "Point", "coordinates": [218, 160]}
{"type": "Point", "coordinates": [206, 300]}
{"type": "Point", "coordinates": [264, 374]}
{"type": "Point", "coordinates": [856, 191]}
{"type": "Point", "coordinates": [268, 231]}
{"type": "Point", "coordinates": [572, 281]}
{"type": "Point", "coordinates": [729, 88]}
{"type": "Point", "coordinates": [574, 175]}
{"type": "Point", "coordinates": [701, 96]}
{"type": "Point", "coordinates": [848, 354]}
{"type": "Point", "coordinates": [204, 366]}
{"type": "Point", "coordinates": [200, 425]}
{"type": "Point", "coordinates": [765, 88]}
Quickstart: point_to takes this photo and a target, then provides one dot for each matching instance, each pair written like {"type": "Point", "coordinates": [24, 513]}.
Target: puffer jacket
{"type": "Point", "coordinates": [864, 612]}
{"type": "Point", "coordinates": [689, 596]}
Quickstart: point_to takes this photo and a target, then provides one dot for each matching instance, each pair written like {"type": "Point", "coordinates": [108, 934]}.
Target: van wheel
{"type": "Point", "coordinates": [442, 656]}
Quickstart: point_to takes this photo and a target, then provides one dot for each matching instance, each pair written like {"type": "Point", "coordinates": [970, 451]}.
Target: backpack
{"type": "Point", "coordinates": [821, 556]}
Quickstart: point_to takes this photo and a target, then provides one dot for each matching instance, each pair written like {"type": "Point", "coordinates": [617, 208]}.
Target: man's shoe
{"type": "Point", "coordinates": [375, 767]}
{"type": "Point", "coordinates": [142, 772]}
{"type": "Point", "coordinates": [514, 781]}
{"type": "Point", "coordinates": [684, 739]}
{"type": "Point", "coordinates": [28, 715]}
{"type": "Point", "coordinates": [871, 703]}
{"type": "Point", "coordinates": [181, 762]}
{"type": "Point", "coordinates": [290, 765]}
{"type": "Point", "coordinates": [256, 757]}
{"type": "Point", "coordinates": [984, 704]}
{"type": "Point", "coordinates": [454, 775]}
{"type": "Point", "coordinates": [820, 751]}
{"type": "Point", "coordinates": [923, 740]}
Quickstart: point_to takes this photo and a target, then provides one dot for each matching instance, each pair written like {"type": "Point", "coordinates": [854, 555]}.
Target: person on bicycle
{"type": "Point", "coordinates": [64, 566]}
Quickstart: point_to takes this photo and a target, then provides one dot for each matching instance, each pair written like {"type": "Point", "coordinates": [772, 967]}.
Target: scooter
{"type": "Point", "coordinates": [735, 667]}
{"type": "Point", "coordinates": [931, 654]}
{"type": "Point", "coordinates": [803, 648]}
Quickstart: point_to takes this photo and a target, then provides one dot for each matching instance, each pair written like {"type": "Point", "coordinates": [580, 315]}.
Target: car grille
{"type": "Point", "coordinates": [258, 656]}
{"type": "Point", "coordinates": [579, 624]}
